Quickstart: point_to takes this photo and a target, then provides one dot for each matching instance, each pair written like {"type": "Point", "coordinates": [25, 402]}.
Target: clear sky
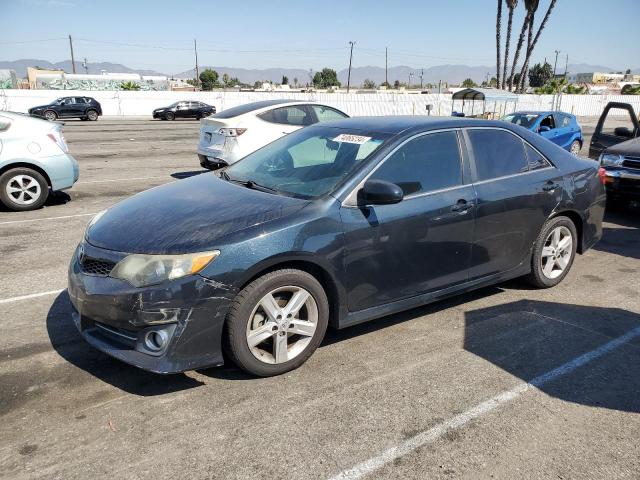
{"type": "Point", "coordinates": [305, 34]}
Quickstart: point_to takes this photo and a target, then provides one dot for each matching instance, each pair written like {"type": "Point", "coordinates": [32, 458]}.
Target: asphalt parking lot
{"type": "Point", "coordinates": [506, 382]}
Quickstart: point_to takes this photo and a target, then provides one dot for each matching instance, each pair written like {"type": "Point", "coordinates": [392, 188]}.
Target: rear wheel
{"type": "Point", "coordinates": [50, 115]}
{"type": "Point", "coordinates": [23, 189]}
{"type": "Point", "coordinates": [170, 116]}
{"type": "Point", "coordinates": [276, 322]}
{"type": "Point", "coordinates": [575, 147]}
{"type": "Point", "coordinates": [92, 115]}
{"type": "Point", "coordinates": [553, 253]}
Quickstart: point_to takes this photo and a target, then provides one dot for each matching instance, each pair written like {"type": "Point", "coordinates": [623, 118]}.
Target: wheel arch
{"type": "Point", "coordinates": [31, 166]}
{"type": "Point", "coordinates": [308, 264]}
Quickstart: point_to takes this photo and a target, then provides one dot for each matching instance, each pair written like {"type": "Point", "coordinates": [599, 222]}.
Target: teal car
{"type": "Point", "coordinates": [34, 161]}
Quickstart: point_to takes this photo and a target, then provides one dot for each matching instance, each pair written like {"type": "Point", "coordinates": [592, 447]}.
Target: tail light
{"type": "Point", "coordinates": [57, 137]}
{"type": "Point", "coordinates": [232, 132]}
{"type": "Point", "coordinates": [602, 173]}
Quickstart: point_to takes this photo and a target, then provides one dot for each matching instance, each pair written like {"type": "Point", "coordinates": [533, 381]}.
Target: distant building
{"type": "Point", "coordinates": [599, 77]}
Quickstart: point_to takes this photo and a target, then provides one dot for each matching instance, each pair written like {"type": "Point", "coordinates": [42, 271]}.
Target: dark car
{"type": "Point", "coordinates": [621, 171]}
{"type": "Point", "coordinates": [561, 128]}
{"type": "Point", "coordinates": [84, 108]}
{"type": "Point", "coordinates": [618, 123]}
{"type": "Point", "coordinates": [186, 109]}
{"type": "Point", "coordinates": [334, 224]}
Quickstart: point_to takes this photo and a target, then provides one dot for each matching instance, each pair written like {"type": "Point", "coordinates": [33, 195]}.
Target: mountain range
{"type": "Point", "coordinates": [447, 73]}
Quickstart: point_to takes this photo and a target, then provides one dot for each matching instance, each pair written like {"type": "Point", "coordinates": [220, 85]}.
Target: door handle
{"type": "Point", "coordinates": [550, 186]}
{"type": "Point", "coordinates": [462, 206]}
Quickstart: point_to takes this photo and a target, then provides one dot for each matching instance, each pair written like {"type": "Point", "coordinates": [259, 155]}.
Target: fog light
{"type": "Point", "coordinates": [156, 340]}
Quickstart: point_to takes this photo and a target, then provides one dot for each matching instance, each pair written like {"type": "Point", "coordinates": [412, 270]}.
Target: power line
{"type": "Point", "coordinates": [33, 41]}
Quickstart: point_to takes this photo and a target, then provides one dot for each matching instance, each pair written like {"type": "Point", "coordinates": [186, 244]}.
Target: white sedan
{"type": "Point", "coordinates": [228, 136]}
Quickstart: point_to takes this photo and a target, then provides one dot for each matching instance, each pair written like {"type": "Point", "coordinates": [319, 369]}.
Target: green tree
{"type": "Point", "coordinates": [368, 84]}
{"type": "Point", "coordinates": [326, 78]}
{"type": "Point", "coordinates": [209, 79]}
{"type": "Point", "coordinates": [385, 84]}
{"type": "Point", "coordinates": [130, 86]}
{"type": "Point", "coordinates": [573, 89]}
{"type": "Point", "coordinates": [295, 82]}
{"type": "Point", "coordinates": [257, 84]}
{"type": "Point", "coordinates": [226, 80]}
{"type": "Point", "coordinates": [468, 83]}
{"type": "Point", "coordinates": [629, 89]}
{"type": "Point", "coordinates": [285, 80]}
{"type": "Point", "coordinates": [540, 75]}
{"type": "Point", "coordinates": [396, 84]}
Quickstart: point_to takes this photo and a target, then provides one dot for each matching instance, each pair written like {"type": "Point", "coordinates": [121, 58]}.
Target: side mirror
{"type": "Point", "coordinates": [379, 192]}
{"type": "Point", "coordinates": [544, 128]}
{"type": "Point", "coordinates": [622, 132]}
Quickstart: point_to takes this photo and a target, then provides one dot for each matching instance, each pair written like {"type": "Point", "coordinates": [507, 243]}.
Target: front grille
{"type": "Point", "coordinates": [631, 162]}
{"type": "Point", "coordinates": [93, 266]}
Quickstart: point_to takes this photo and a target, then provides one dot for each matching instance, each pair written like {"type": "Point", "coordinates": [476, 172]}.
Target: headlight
{"type": "Point", "coordinates": [611, 160]}
{"type": "Point", "coordinates": [93, 221]}
{"type": "Point", "coordinates": [143, 270]}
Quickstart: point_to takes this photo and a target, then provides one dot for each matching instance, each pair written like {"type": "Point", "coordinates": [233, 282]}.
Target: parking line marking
{"type": "Point", "coordinates": [33, 295]}
{"type": "Point", "coordinates": [48, 218]}
{"type": "Point", "coordinates": [428, 436]}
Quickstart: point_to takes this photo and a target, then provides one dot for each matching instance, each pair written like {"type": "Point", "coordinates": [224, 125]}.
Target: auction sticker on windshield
{"type": "Point", "coordinates": [350, 138]}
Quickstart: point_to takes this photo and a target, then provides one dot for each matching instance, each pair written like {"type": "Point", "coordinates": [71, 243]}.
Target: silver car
{"type": "Point", "coordinates": [34, 160]}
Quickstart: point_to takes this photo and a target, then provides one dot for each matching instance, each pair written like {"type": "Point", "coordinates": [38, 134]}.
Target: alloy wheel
{"type": "Point", "coordinates": [23, 189]}
{"type": "Point", "coordinates": [575, 148]}
{"type": "Point", "coordinates": [51, 116]}
{"type": "Point", "coordinates": [556, 252]}
{"type": "Point", "coordinates": [282, 324]}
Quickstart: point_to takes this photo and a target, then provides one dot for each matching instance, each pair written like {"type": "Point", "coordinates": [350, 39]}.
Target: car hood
{"type": "Point", "coordinates": [628, 147]}
{"type": "Point", "coordinates": [186, 216]}
{"type": "Point", "coordinates": [41, 107]}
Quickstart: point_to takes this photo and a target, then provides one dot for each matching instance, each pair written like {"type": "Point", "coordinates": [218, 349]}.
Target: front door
{"type": "Point", "coordinates": [617, 124]}
{"type": "Point", "coordinates": [421, 244]}
{"type": "Point", "coordinates": [548, 122]}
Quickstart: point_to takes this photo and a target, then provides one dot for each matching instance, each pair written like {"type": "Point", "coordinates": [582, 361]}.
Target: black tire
{"type": "Point", "coordinates": [238, 319]}
{"type": "Point", "coordinates": [50, 115]}
{"type": "Point", "coordinates": [92, 115]}
{"type": "Point", "coordinates": [169, 116]}
{"type": "Point", "coordinates": [12, 203]}
{"type": "Point", "coordinates": [537, 277]}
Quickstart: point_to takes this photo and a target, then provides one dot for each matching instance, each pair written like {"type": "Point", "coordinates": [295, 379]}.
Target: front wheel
{"type": "Point", "coordinates": [169, 116]}
{"type": "Point", "coordinates": [276, 322]}
{"type": "Point", "coordinates": [553, 252]}
{"type": "Point", "coordinates": [51, 115]}
{"type": "Point", "coordinates": [575, 147]}
{"type": "Point", "coordinates": [23, 189]}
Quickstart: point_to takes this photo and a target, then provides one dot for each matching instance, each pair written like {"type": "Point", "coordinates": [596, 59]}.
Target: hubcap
{"type": "Point", "coordinates": [50, 116]}
{"type": "Point", "coordinates": [575, 148]}
{"type": "Point", "coordinates": [556, 252]}
{"type": "Point", "coordinates": [23, 189]}
{"type": "Point", "coordinates": [282, 324]}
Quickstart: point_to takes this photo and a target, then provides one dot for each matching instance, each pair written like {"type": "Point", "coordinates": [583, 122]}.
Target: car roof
{"type": "Point", "coordinates": [540, 112]}
{"type": "Point", "coordinates": [254, 108]}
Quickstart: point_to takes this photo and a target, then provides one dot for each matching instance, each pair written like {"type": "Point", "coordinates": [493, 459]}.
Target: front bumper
{"type": "Point", "coordinates": [117, 318]}
{"type": "Point", "coordinates": [622, 182]}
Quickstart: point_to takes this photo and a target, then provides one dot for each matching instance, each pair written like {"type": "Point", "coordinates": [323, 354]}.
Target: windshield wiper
{"type": "Point", "coordinates": [249, 183]}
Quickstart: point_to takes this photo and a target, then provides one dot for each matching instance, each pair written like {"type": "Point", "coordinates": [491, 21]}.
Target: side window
{"type": "Point", "coordinates": [617, 118]}
{"type": "Point", "coordinates": [294, 115]}
{"type": "Point", "coordinates": [427, 163]}
{"type": "Point", "coordinates": [497, 153]}
{"type": "Point", "coordinates": [69, 101]}
{"type": "Point", "coordinates": [326, 114]}
{"type": "Point", "coordinates": [534, 159]}
{"type": "Point", "coordinates": [566, 121]}
{"type": "Point", "coordinates": [548, 122]}
{"type": "Point", "coordinates": [80, 100]}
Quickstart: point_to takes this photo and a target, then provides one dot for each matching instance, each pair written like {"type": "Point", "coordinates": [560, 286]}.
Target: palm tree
{"type": "Point", "coordinates": [498, 29]}
{"type": "Point", "coordinates": [511, 5]}
{"type": "Point", "coordinates": [523, 31]}
{"type": "Point", "coordinates": [535, 40]}
{"type": "Point", "coordinates": [531, 6]}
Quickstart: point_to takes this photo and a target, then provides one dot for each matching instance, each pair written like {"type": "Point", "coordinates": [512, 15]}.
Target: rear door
{"type": "Point", "coordinates": [550, 122]}
{"type": "Point", "coordinates": [565, 130]}
{"type": "Point", "coordinates": [516, 192]}
{"type": "Point", "coordinates": [617, 123]}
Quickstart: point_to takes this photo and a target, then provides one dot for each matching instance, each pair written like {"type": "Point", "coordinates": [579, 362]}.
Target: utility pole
{"type": "Point", "coordinates": [421, 77]}
{"type": "Point", "coordinates": [566, 66]}
{"type": "Point", "coordinates": [555, 63]}
{"type": "Point", "coordinates": [439, 86]}
{"type": "Point", "coordinates": [195, 49]}
{"type": "Point", "coordinates": [350, 58]}
{"type": "Point", "coordinates": [86, 66]}
{"type": "Point", "coordinates": [410, 76]}
{"type": "Point", "coordinates": [386, 66]}
{"type": "Point", "coordinates": [73, 60]}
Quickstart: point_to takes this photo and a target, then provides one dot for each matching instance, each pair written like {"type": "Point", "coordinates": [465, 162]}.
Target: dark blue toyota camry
{"type": "Point", "coordinates": [335, 224]}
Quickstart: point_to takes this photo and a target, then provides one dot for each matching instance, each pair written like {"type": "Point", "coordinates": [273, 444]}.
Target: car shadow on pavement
{"type": "Point", "coordinates": [181, 175]}
{"type": "Point", "coordinates": [68, 343]}
{"type": "Point", "coordinates": [529, 338]}
{"type": "Point", "coordinates": [624, 238]}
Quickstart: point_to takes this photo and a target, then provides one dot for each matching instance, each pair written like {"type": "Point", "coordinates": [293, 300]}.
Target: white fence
{"type": "Point", "coordinates": [125, 103]}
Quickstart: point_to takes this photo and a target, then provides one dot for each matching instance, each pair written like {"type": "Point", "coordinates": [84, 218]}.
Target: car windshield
{"type": "Point", "coordinates": [523, 119]}
{"type": "Point", "coordinates": [308, 163]}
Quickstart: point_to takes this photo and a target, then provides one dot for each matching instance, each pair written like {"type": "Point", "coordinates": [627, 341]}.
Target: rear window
{"type": "Point", "coordinates": [246, 108]}
{"type": "Point", "coordinates": [497, 153]}
{"type": "Point", "coordinates": [297, 115]}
